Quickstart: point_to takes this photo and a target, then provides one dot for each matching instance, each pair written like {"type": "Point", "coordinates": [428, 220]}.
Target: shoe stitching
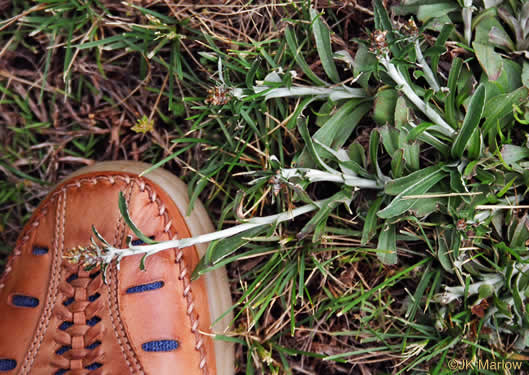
{"type": "Point", "coordinates": [31, 227]}
{"type": "Point", "coordinates": [193, 316]}
{"type": "Point", "coordinates": [54, 275]}
{"type": "Point", "coordinates": [115, 319]}
{"type": "Point", "coordinates": [184, 277]}
{"type": "Point", "coordinates": [54, 283]}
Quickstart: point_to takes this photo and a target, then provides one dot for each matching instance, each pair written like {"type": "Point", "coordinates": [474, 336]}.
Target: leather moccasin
{"type": "Point", "coordinates": [58, 318]}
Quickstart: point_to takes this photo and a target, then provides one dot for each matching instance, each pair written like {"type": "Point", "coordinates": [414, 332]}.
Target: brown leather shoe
{"type": "Point", "coordinates": [57, 318]}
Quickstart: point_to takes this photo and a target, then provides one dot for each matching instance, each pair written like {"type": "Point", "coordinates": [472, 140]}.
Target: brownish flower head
{"type": "Point", "coordinates": [86, 256]}
{"type": "Point", "coordinates": [411, 28]}
{"type": "Point", "coordinates": [379, 44]}
{"type": "Point", "coordinates": [219, 95]}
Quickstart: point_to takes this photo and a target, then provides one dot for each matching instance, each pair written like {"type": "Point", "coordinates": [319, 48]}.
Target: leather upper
{"type": "Point", "coordinates": [57, 318]}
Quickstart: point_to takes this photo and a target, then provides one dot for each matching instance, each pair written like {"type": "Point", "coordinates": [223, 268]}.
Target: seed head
{"type": "Point", "coordinates": [86, 256]}
{"type": "Point", "coordinates": [379, 44]}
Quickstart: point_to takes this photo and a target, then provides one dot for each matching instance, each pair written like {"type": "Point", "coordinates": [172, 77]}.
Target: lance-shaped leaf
{"type": "Point", "coordinates": [418, 186]}
{"type": "Point", "coordinates": [387, 245]}
{"type": "Point", "coordinates": [224, 248]}
{"type": "Point", "coordinates": [383, 22]}
{"type": "Point", "coordinates": [397, 186]}
{"type": "Point", "coordinates": [470, 123]}
{"type": "Point", "coordinates": [123, 209]}
{"type": "Point", "coordinates": [323, 45]}
{"type": "Point", "coordinates": [370, 224]}
{"type": "Point", "coordinates": [453, 76]}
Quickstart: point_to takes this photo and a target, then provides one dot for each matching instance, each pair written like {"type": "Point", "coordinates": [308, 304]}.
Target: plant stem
{"type": "Point", "coordinates": [441, 125]}
{"type": "Point", "coordinates": [208, 237]}
{"type": "Point", "coordinates": [428, 74]}
{"type": "Point", "coordinates": [315, 175]}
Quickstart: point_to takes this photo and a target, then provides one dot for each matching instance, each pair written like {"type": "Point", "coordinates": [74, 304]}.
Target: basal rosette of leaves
{"type": "Point", "coordinates": [449, 155]}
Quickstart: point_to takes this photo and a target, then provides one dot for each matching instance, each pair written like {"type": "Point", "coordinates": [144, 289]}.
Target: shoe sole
{"type": "Point", "coordinates": [198, 222]}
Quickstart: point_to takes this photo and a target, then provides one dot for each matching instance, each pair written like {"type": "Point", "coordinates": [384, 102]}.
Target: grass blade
{"type": "Point", "coordinates": [290, 37]}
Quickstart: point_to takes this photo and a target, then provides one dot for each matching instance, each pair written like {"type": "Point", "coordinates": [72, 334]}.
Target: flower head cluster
{"type": "Point", "coordinates": [379, 43]}
{"type": "Point", "coordinates": [411, 28]}
{"type": "Point", "coordinates": [89, 256]}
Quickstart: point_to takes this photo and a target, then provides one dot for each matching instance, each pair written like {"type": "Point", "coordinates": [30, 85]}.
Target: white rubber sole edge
{"type": "Point", "coordinates": [198, 222]}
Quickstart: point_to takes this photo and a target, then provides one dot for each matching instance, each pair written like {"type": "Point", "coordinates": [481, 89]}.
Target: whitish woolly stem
{"type": "Point", "coordinates": [441, 125]}
{"type": "Point", "coordinates": [467, 19]}
{"type": "Point", "coordinates": [315, 175]}
{"type": "Point", "coordinates": [494, 280]}
{"type": "Point", "coordinates": [428, 74]}
{"type": "Point", "coordinates": [112, 252]}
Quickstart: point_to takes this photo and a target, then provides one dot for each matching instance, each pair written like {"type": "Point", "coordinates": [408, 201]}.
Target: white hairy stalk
{"type": "Point", "coordinates": [428, 74]}
{"type": "Point", "coordinates": [441, 125]}
{"type": "Point", "coordinates": [110, 253]}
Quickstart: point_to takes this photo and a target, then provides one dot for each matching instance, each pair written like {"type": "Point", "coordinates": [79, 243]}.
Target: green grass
{"type": "Point", "coordinates": [415, 140]}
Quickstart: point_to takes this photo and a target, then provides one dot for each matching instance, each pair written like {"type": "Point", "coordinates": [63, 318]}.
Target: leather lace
{"type": "Point", "coordinates": [81, 333]}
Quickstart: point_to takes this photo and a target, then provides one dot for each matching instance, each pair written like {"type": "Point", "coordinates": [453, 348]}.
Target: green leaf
{"type": "Point", "coordinates": [357, 154]}
{"type": "Point", "coordinates": [474, 145]}
{"type": "Point", "coordinates": [520, 234]}
{"type": "Point", "coordinates": [142, 261]}
{"type": "Point", "coordinates": [427, 206]}
{"type": "Point", "coordinates": [383, 22]}
{"type": "Point", "coordinates": [384, 106]}
{"type": "Point", "coordinates": [439, 10]}
{"type": "Point", "coordinates": [470, 123]}
{"type": "Point", "coordinates": [123, 209]}
{"type": "Point", "coordinates": [336, 131]}
{"type": "Point", "coordinates": [439, 47]}
{"type": "Point", "coordinates": [519, 305]}
{"type": "Point", "coordinates": [490, 61]}
{"type": "Point", "coordinates": [364, 63]}
{"type": "Point", "coordinates": [419, 186]}
{"type": "Point", "coordinates": [443, 252]}
{"type": "Point", "coordinates": [453, 76]}
{"type": "Point", "coordinates": [99, 236]}
{"type": "Point", "coordinates": [418, 130]}
{"type": "Point", "coordinates": [374, 141]}
{"type": "Point", "coordinates": [370, 224]}
{"type": "Point", "coordinates": [512, 154]}
{"type": "Point", "coordinates": [500, 106]}
{"type": "Point", "coordinates": [387, 245]}
{"type": "Point", "coordinates": [323, 45]}
{"type": "Point", "coordinates": [499, 37]}
{"type": "Point", "coordinates": [397, 186]}
{"type": "Point", "coordinates": [402, 113]}
{"type": "Point", "coordinates": [525, 74]}
{"type": "Point", "coordinates": [320, 217]}
{"type": "Point", "coordinates": [412, 156]}
{"type": "Point", "coordinates": [509, 80]}
{"type": "Point", "coordinates": [311, 147]}
{"type": "Point", "coordinates": [397, 163]}
{"type": "Point", "coordinates": [390, 138]}
{"type": "Point", "coordinates": [220, 250]}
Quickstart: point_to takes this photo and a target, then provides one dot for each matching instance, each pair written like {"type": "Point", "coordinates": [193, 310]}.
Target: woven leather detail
{"type": "Point", "coordinates": [78, 345]}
